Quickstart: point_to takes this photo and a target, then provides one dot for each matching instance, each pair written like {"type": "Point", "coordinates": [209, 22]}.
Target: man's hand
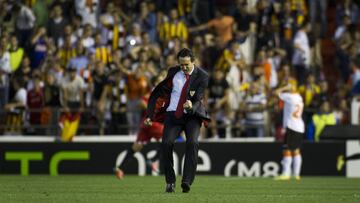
{"type": "Point", "coordinates": [101, 106]}
{"type": "Point", "coordinates": [8, 106]}
{"type": "Point", "coordinates": [188, 105]}
{"type": "Point", "coordinates": [66, 109]}
{"type": "Point", "coordinates": [148, 122]}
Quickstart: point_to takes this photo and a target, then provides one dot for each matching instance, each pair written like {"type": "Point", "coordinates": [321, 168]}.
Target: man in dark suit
{"type": "Point", "coordinates": [184, 89]}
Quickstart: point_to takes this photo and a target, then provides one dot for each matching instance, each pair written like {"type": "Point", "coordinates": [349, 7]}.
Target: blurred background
{"type": "Point", "coordinates": [87, 66]}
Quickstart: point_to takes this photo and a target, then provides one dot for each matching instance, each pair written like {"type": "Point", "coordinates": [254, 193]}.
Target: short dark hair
{"type": "Point", "coordinates": [185, 52]}
{"type": "Point", "coordinates": [305, 23]}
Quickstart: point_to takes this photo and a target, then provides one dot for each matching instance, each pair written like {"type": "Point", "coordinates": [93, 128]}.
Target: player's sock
{"type": "Point", "coordinates": [297, 163]}
{"type": "Point", "coordinates": [340, 162]}
{"type": "Point", "coordinates": [286, 163]}
{"type": "Point", "coordinates": [157, 155]}
{"type": "Point", "coordinates": [129, 155]}
{"type": "Point", "coordinates": [352, 157]}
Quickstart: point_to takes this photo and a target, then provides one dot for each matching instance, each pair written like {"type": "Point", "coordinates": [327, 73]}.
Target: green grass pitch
{"type": "Point", "coordinates": [97, 188]}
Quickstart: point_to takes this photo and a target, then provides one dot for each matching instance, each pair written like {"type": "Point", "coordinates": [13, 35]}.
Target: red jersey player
{"type": "Point", "coordinates": [145, 134]}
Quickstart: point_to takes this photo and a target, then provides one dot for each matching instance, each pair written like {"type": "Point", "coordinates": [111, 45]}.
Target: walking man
{"type": "Point", "coordinates": [184, 88]}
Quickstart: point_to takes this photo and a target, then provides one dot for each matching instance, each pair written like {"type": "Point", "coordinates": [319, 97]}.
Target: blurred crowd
{"type": "Point", "coordinates": [102, 57]}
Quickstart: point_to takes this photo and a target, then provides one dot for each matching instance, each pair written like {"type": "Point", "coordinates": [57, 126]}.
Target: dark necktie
{"type": "Point", "coordinates": [241, 76]}
{"type": "Point", "coordinates": [180, 107]}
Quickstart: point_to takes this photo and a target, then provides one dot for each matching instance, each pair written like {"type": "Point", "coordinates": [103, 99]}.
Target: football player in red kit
{"type": "Point", "coordinates": [146, 133]}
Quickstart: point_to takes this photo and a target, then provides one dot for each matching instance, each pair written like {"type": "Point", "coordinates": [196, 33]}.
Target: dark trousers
{"type": "Point", "coordinates": [301, 73]}
{"type": "Point", "coordinates": [172, 129]}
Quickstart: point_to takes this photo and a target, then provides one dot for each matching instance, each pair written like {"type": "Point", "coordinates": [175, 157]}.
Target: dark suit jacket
{"type": "Point", "coordinates": [198, 83]}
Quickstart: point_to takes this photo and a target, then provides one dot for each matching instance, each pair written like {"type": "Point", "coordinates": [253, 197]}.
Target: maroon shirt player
{"type": "Point", "coordinates": [35, 103]}
{"type": "Point", "coordinates": [146, 133]}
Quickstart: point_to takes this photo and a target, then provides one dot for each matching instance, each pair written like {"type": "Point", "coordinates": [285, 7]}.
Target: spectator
{"type": "Point", "coordinates": [185, 9]}
{"type": "Point", "coordinates": [102, 53]}
{"type": "Point", "coordinates": [72, 100]}
{"type": "Point", "coordinates": [152, 50]}
{"type": "Point", "coordinates": [81, 60]}
{"type": "Point", "coordinates": [301, 55]}
{"type": "Point", "coordinates": [198, 47]}
{"type": "Point", "coordinates": [76, 23]}
{"type": "Point", "coordinates": [117, 93]}
{"type": "Point", "coordinates": [39, 44]}
{"type": "Point", "coordinates": [347, 8]}
{"type": "Point", "coordinates": [137, 87]}
{"type": "Point", "coordinates": [88, 10]}
{"type": "Point", "coordinates": [134, 38]}
{"type": "Point", "coordinates": [50, 114]}
{"type": "Point", "coordinates": [217, 96]}
{"type": "Point", "coordinates": [342, 112]}
{"type": "Point", "coordinates": [254, 107]}
{"type": "Point", "coordinates": [285, 76]}
{"type": "Point", "coordinates": [229, 56]}
{"type": "Point", "coordinates": [174, 28]}
{"type": "Point", "coordinates": [299, 7]}
{"type": "Point", "coordinates": [324, 117]}
{"type": "Point", "coordinates": [100, 86]}
{"type": "Point", "coordinates": [322, 96]}
{"type": "Point", "coordinates": [57, 24]}
{"type": "Point", "coordinates": [107, 18]}
{"type": "Point", "coordinates": [145, 64]}
{"type": "Point", "coordinates": [239, 79]}
{"type": "Point", "coordinates": [5, 70]}
{"type": "Point", "coordinates": [16, 53]}
{"type": "Point", "coordinates": [222, 25]}
{"type": "Point", "coordinates": [7, 17]}
{"type": "Point", "coordinates": [347, 48]}
{"type": "Point", "coordinates": [24, 71]}
{"type": "Point", "coordinates": [147, 20]}
{"type": "Point", "coordinates": [170, 60]}
{"type": "Point", "coordinates": [25, 23]}
{"type": "Point", "coordinates": [308, 91]}
{"type": "Point", "coordinates": [71, 90]}
{"type": "Point", "coordinates": [35, 103]}
{"type": "Point", "coordinates": [288, 26]}
{"type": "Point", "coordinates": [87, 38]}
{"type": "Point", "coordinates": [15, 110]}
{"type": "Point", "coordinates": [66, 52]}
{"type": "Point", "coordinates": [68, 33]}
{"type": "Point", "coordinates": [117, 32]}
{"type": "Point", "coordinates": [317, 11]}
{"type": "Point", "coordinates": [271, 65]}
{"type": "Point", "coordinates": [243, 19]}
{"type": "Point", "coordinates": [40, 9]}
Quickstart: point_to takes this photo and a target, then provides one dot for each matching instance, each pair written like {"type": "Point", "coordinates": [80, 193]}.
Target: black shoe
{"type": "Point", "coordinates": [170, 187]}
{"type": "Point", "coordinates": [185, 187]}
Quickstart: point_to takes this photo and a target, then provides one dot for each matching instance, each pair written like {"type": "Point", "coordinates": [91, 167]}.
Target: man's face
{"type": "Point", "coordinates": [57, 11]}
{"type": "Point", "coordinates": [173, 14]}
{"type": "Point", "coordinates": [37, 83]}
{"type": "Point", "coordinates": [186, 64]}
{"type": "Point", "coordinates": [254, 88]}
{"type": "Point", "coordinates": [68, 29]}
{"type": "Point", "coordinates": [325, 107]}
{"type": "Point", "coordinates": [218, 76]}
{"type": "Point", "coordinates": [14, 41]}
{"type": "Point", "coordinates": [100, 68]}
{"type": "Point", "coordinates": [72, 74]}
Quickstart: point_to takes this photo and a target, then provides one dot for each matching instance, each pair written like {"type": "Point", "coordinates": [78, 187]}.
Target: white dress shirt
{"type": "Point", "coordinates": [301, 57]}
{"type": "Point", "coordinates": [178, 83]}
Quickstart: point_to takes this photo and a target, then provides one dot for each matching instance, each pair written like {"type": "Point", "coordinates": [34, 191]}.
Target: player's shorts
{"type": "Point", "coordinates": [147, 132]}
{"type": "Point", "coordinates": [292, 139]}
